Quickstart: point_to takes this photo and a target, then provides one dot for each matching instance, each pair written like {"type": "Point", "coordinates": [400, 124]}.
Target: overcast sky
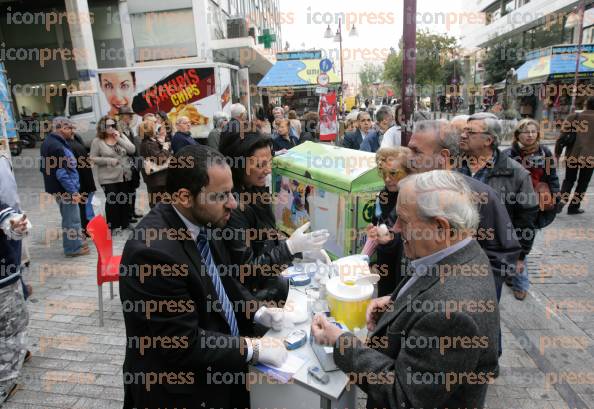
{"type": "Point", "coordinates": [379, 23]}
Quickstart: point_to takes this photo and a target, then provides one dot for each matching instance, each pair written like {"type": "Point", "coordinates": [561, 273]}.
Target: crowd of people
{"type": "Point", "coordinates": [453, 200]}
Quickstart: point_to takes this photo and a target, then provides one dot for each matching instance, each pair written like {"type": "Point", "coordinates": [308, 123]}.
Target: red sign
{"type": "Point", "coordinates": [328, 117]}
{"type": "Point", "coordinates": [183, 87]}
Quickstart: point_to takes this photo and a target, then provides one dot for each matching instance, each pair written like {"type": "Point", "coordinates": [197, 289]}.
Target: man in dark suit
{"type": "Point", "coordinates": [353, 140]}
{"type": "Point", "coordinates": [183, 311]}
{"type": "Point", "coordinates": [433, 343]}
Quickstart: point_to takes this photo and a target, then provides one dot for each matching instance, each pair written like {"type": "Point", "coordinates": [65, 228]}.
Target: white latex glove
{"type": "Point", "coordinates": [317, 255]}
{"type": "Point", "coordinates": [272, 352]}
{"type": "Point", "coordinates": [301, 241]}
{"type": "Point", "coordinates": [270, 317]}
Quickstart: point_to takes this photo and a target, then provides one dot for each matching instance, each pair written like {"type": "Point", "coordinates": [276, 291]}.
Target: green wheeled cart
{"type": "Point", "coordinates": [333, 187]}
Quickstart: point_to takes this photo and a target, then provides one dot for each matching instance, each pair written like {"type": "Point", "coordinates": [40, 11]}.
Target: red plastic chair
{"type": "Point", "coordinates": [108, 265]}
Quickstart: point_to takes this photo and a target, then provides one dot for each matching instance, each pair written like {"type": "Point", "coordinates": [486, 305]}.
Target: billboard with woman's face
{"type": "Point", "coordinates": [118, 89]}
{"type": "Point", "coordinates": [192, 92]}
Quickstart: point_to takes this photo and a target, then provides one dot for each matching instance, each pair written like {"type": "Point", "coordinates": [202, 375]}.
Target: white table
{"type": "Point", "coordinates": [303, 391]}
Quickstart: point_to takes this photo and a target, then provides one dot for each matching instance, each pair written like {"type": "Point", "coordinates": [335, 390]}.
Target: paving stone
{"type": "Point", "coordinates": [89, 403]}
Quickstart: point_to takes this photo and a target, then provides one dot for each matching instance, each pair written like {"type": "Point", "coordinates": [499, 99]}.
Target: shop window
{"type": "Point", "coordinates": [163, 35]}
{"type": "Point", "coordinates": [509, 6]}
{"type": "Point", "coordinates": [588, 36]}
{"type": "Point", "coordinates": [80, 105]}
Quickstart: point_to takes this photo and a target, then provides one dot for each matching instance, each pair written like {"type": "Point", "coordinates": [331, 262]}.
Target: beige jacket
{"type": "Point", "coordinates": [111, 162]}
{"type": "Point", "coordinates": [584, 141]}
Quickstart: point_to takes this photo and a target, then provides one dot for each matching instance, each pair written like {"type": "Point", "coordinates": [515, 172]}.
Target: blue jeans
{"type": "Point", "coordinates": [71, 227]}
{"type": "Point", "coordinates": [89, 207]}
{"type": "Point", "coordinates": [520, 280]}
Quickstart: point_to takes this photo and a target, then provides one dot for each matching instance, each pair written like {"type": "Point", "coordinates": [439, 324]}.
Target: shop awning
{"type": "Point", "coordinates": [295, 73]}
{"type": "Point", "coordinates": [555, 66]}
{"type": "Point", "coordinates": [242, 52]}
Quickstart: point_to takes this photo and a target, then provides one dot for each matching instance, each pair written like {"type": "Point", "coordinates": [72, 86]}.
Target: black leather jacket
{"type": "Point", "coordinates": [257, 247]}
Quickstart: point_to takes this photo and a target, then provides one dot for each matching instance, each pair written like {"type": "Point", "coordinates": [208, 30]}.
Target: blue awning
{"type": "Point", "coordinates": [295, 73]}
{"type": "Point", "coordinates": [556, 66]}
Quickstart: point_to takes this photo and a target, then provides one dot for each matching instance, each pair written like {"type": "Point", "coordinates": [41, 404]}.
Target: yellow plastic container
{"type": "Point", "coordinates": [348, 303]}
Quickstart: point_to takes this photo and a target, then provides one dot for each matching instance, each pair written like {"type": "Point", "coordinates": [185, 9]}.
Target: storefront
{"type": "Point", "coordinates": [294, 79]}
{"type": "Point", "coordinates": [550, 73]}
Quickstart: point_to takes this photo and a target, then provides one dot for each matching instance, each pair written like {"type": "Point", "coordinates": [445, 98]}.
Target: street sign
{"type": "Point", "coordinates": [323, 80]}
{"type": "Point", "coordinates": [321, 90]}
{"type": "Point", "coordinates": [326, 65]}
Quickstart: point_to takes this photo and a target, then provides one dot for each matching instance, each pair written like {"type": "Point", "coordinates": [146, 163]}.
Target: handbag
{"type": "Point", "coordinates": [546, 201]}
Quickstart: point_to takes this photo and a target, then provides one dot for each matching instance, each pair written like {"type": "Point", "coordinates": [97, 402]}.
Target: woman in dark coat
{"type": "Point", "coordinates": [537, 159]}
{"type": "Point", "coordinates": [392, 166]}
{"type": "Point", "coordinates": [155, 150]}
{"type": "Point", "coordinates": [255, 245]}
{"type": "Point", "coordinates": [87, 183]}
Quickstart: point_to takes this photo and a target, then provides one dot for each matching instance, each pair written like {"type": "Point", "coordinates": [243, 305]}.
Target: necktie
{"type": "Point", "coordinates": [213, 273]}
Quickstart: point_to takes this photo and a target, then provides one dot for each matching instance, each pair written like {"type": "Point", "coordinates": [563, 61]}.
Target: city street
{"type": "Point", "coordinates": [548, 358]}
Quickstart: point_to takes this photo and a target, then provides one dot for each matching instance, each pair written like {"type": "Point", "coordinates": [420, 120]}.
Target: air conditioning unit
{"type": "Point", "coordinates": [237, 28]}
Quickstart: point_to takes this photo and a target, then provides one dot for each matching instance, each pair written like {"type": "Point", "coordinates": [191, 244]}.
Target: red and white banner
{"type": "Point", "coordinates": [328, 117]}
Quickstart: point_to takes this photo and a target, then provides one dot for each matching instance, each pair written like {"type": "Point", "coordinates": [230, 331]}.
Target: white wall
{"type": "Point", "coordinates": [474, 35]}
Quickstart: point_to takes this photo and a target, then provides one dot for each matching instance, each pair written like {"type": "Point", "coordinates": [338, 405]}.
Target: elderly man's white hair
{"type": "Point", "coordinates": [492, 123]}
{"type": "Point", "coordinates": [237, 110]}
{"type": "Point", "coordinates": [443, 193]}
{"type": "Point", "coordinates": [219, 117]}
{"type": "Point", "coordinates": [181, 119]}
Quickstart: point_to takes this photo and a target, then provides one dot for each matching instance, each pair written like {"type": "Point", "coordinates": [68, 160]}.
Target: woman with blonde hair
{"type": "Point", "coordinates": [155, 150]}
{"type": "Point", "coordinates": [393, 166]}
{"type": "Point", "coordinates": [537, 159]}
{"type": "Point", "coordinates": [109, 153]}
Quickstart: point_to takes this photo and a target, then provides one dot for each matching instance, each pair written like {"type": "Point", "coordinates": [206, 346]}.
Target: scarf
{"type": "Point", "coordinates": [526, 150]}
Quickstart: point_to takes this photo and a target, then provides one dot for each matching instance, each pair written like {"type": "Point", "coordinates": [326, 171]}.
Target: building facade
{"type": "Point", "coordinates": [49, 47]}
{"type": "Point", "coordinates": [528, 26]}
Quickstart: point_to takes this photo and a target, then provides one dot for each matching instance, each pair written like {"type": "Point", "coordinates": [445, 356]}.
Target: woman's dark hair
{"type": "Point", "coordinates": [102, 126]}
{"type": "Point", "coordinates": [292, 115]}
{"type": "Point", "coordinates": [166, 122]}
{"type": "Point", "coordinates": [310, 122]}
{"type": "Point", "coordinates": [191, 171]}
{"type": "Point", "coordinates": [239, 152]}
{"type": "Point", "coordinates": [260, 114]}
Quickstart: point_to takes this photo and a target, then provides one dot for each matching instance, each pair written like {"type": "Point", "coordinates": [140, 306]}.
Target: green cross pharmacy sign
{"type": "Point", "coordinates": [267, 39]}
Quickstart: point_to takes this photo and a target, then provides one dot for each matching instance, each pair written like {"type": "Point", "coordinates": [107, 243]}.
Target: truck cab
{"type": "Point", "coordinates": [82, 107]}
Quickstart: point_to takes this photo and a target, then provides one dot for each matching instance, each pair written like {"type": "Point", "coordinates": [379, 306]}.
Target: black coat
{"type": "Point", "coordinates": [495, 232]}
{"type": "Point", "coordinates": [353, 140]}
{"type": "Point", "coordinates": [256, 245]}
{"type": "Point", "coordinates": [85, 170]}
{"type": "Point", "coordinates": [390, 256]}
{"type": "Point", "coordinates": [207, 348]}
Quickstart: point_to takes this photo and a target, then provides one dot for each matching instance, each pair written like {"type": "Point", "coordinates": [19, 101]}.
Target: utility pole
{"type": "Point", "coordinates": [581, 11]}
{"type": "Point", "coordinates": [409, 66]}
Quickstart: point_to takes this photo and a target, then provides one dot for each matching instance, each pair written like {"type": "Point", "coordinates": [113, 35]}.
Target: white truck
{"type": "Point", "coordinates": [193, 90]}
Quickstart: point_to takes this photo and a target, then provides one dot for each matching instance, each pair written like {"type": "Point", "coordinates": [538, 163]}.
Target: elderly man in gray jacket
{"type": "Point", "coordinates": [512, 183]}
{"type": "Point", "coordinates": [433, 343]}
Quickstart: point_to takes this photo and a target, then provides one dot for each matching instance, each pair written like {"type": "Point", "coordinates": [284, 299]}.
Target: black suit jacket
{"type": "Point", "coordinates": [408, 366]}
{"type": "Point", "coordinates": [188, 336]}
{"type": "Point", "coordinates": [352, 140]}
